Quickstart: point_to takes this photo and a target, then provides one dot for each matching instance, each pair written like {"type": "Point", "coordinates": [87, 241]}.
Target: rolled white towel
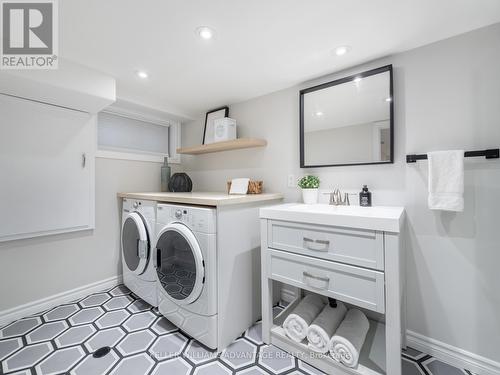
{"type": "Point", "coordinates": [324, 326]}
{"type": "Point", "coordinates": [297, 322]}
{"type": "Point", "coordinates": [346, 344]}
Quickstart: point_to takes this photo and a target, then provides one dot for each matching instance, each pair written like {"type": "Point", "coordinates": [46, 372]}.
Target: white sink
{"type": "Point", "coordinates": [381, 218]}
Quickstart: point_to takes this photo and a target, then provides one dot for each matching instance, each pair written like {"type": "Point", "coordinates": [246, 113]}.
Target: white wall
{"type": "Point", "coordinates": [447, 96]}
{"type": "Point", "coordinates": [37, 268]}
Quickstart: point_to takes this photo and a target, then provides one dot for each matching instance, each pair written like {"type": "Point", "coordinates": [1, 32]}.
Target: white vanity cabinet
{"type": "Point", "coordinates": [353, 254]}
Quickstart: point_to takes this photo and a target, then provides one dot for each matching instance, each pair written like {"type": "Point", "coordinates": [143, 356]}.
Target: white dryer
{"type": "Point", "coordinates": [137, 241]}
{"type": "Point", "coordinates": [186, 269]}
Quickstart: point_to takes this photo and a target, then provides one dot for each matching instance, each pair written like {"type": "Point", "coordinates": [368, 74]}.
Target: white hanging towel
{"type": "Point", "coordinates": [446, 180]}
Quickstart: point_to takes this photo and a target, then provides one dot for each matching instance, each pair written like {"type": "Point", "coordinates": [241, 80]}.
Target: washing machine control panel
{"type": "Point", "coordinates": [197, 218]}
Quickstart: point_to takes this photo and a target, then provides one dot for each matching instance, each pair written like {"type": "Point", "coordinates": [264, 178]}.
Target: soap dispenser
{"type": "Point", "coordinates": [365, 197]}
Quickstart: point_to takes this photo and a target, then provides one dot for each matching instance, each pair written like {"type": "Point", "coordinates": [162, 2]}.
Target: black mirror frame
{"type": "Point", "coordinates": [386, 68]}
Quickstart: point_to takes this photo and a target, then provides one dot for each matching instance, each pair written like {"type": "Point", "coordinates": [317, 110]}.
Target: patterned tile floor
{"type": "Point", "coordinates": [62, 340]}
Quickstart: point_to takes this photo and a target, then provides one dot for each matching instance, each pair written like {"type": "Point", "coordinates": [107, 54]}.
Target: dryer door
{"type": "Point", "coordinates": [135, 243]}
{"type": "Point", "coordinates": [179, 264]}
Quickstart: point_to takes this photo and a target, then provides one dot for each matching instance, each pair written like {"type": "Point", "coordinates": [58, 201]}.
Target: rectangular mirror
{"type": "Point", "coordinates": [348, 121]}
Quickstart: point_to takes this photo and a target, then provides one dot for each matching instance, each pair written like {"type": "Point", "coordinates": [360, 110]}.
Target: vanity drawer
{"type": "Point", "coordinates": [359, 247]}
{"type": "Point", "coordinates": [359, 286]}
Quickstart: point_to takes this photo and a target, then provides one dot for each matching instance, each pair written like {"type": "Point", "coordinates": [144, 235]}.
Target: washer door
{"type": "Point", "coordinates": [179, 263]}
{"type": "Point", "coordinates": [135, 243]}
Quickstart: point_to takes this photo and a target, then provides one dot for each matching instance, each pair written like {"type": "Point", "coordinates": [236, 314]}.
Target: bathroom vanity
{"type": "Point", "coordinates": [350, 253]}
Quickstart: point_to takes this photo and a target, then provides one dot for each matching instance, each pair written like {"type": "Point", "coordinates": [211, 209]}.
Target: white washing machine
{"type": "Point", "coordinates": [137, 240]}
{"type": "Point", "coordinates": [186, 268]}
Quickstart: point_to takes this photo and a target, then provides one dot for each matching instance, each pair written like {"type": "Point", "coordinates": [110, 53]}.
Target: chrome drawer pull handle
{"type": "Point", "coordinates": [309, 241]}
{"type": "Point", "coordinates": [307, 274]}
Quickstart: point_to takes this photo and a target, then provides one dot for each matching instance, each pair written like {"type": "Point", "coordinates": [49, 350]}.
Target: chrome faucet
{"type": "Point", "coordinates": [337, 200]}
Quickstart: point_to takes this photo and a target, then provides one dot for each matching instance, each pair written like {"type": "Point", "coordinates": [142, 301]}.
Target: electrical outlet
{"type": "Point", "coordinates": [291, 181]}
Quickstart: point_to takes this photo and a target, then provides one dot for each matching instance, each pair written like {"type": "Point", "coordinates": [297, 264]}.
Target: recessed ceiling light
{"type": "Point", "coordinates": [389, 99]}
{"type": "Point", "coordinates": [142, 74]}
{"type": "Point", "coordinates": [318, 114]}
{"type": "Point", "coordinates": [357, 79]}
{"type": "Point", "coordinates": [342, 50]}
{"type": "Point", "coordinates": [205, 32]}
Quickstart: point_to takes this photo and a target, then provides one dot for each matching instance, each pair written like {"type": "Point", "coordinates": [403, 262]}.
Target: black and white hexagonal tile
{"type": "Point", "coordinates": [112, 318]}
{"type": "Point", "coordinates": [254, 370]}
{"type": "Point", "coordinates": [254, 333]}
{"type": "Point", "coordinates": [74, 335]}
{"type": "Point", "coordinates": [106, 337]}
{"type": "Point", "coordinates": [64, 338]}
{"type": "Point", "coordinates": [137, 364]}
{"type": "Point", "coordinates": [138, 306]}
{"type": "Point", "coordinates": [162, 326]}
{"type": "Point", "coordinates": [120, 290]}
{"type": "Point", "coordinates": [85, 316]}
{"type": "Point", "coordinates": [434, 366]}
{"type": "Point", "coordinates": [28, 356]}
{"type": "Point", "coordinates": [60, 361]}
{"type": "Point", "coordinates": [198, 354]}
{"type": "Point", "coordinates": [46, 331]}
{"type": "Point", "coordinates": [212, 368]}
{"type": "Point", "coordinates": [276, 360]}
{"type": "Point", "coordinates": [136, 342]}
{"type": "Point", "coordinates": [241, 353]}
{"type": "Point", "coordinates": [168, 346]}
{"type": "Point", "coordinates": [139, 321]}
{"type": "Point", "coordinates": [91, 365]}
{"type": "Point", "coordinates": [411, 367]}
{"type": "Point", "coordinates": [177, 366]}
{"type": "Point", "coordinates": [9, 346]}
{"type": "Point", "coordinates": [61, 312]}
{"type": "Point", "coordinates": [95, 300]}
{"type": "Point", "coordinates": [119, 302]}
{"type": "Point", "coordinates": [20, 327]}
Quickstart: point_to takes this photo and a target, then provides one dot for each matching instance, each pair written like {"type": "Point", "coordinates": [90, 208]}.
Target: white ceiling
{"type": "Point", "coordinates": [260, 46]}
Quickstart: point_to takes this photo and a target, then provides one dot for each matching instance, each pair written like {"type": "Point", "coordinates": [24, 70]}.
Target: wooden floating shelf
{"type": "Point", "coordinates": [235, 144]}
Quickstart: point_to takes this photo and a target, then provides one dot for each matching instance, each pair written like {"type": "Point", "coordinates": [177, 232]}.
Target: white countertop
{"type": "Point", "coordinates": [382, 218]}
{"type": "Point", "coordinates": [202, 198]}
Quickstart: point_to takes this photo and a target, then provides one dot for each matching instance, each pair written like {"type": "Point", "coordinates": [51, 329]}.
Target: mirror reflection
{"type": "Point", "coordinates": [348, 121]}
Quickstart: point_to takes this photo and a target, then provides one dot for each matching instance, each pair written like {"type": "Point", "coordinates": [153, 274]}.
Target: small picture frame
{"type": "Point", "coordinates": [208, 132]}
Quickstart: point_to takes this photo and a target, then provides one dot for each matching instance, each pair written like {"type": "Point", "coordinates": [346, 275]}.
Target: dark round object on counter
{"type": "Point", "coordinates": [180, 182]}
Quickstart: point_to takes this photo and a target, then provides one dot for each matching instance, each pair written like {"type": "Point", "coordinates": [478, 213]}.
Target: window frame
{"type": "Point", "coordinates": [174, 138]}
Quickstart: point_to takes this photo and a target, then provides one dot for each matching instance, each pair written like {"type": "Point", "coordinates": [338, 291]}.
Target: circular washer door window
{"type": "Point", "coordinates": [180, 265]}
{"type": "Point", "coordinates": [135, 243]}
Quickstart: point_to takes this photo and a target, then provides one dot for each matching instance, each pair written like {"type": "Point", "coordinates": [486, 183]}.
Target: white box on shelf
{"type": "Point", "coordinates": [224, 129]}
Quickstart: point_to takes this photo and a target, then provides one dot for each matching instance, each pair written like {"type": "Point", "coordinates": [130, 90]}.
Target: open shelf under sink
{"type": "Point", "coordinates": [372, 357]}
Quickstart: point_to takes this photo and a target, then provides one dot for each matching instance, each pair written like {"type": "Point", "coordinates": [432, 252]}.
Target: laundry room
{"type": "Point", "coordinates": [279, 187]}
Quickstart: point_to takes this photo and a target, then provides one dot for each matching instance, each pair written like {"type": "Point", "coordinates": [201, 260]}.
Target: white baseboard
{"type": "Point", "coordinates": [453, 355]}
{"type": "Point", "coordinates": [18, 312]}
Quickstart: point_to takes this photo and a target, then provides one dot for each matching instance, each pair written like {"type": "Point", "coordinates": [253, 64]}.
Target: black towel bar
{"type": "Point", "coordinates": [493, 153]}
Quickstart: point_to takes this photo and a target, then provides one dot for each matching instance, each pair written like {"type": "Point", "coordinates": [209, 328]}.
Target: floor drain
{"type": "Point", "coordinates": [101, 352]}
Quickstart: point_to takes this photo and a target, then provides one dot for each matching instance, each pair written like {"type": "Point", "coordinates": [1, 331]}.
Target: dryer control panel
{"type": "Point", "coordinates": [146, 208]}
{"type": "Point", "coordinates": [198, 219]}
